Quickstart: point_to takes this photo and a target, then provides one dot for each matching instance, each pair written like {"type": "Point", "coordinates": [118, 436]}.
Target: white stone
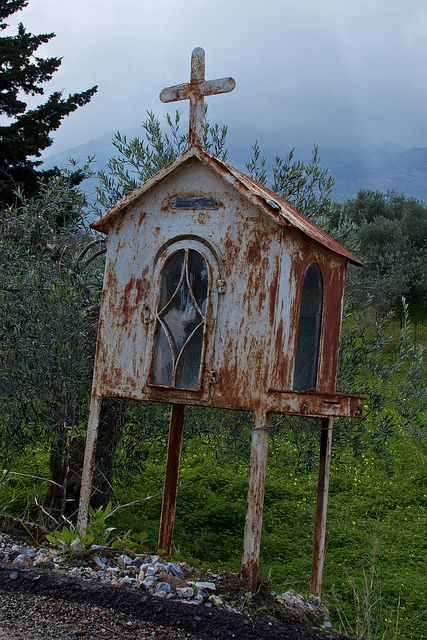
{"type": "Point", "coordinates": [42, 558]}
{"type": "Point", "coordinates": [164, 586]}
{"type": "Point", "coordinates": [99, 562]}
{"type": "Point", "coordinates": [22, 560]}
{"type": "Point", "coordinates": [175, 570]}
{"type": "Point", "coordinates": [148, 582]}
{"type": "Point", "coordinates": [208, 586]}
{"type": "Point", "coordinates": [185, 592]}
{"type": "Point", "coordinates": [77, 546]}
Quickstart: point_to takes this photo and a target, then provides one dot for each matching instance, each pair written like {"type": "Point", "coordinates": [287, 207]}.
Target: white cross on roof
{"type": "Point", "coordinates": [195, 91]}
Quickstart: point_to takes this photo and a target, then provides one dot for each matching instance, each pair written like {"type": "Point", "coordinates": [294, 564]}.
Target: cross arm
{"type": "Point", "coordinates": [177, 92]}
{"type": "Point", "coordinates": [206, 88]}
{"type": "Point", "coordinates": [195, 91]}
{"type": "Point", "coordinates": [221, 85]}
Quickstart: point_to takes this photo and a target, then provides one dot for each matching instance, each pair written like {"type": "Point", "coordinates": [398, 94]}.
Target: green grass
{"type": "Point", "coordinates": [375, 570]}
{"type": "Point", "coordinates": [376, 526]}
{"type": "Point", "coordinates": [376, 523]}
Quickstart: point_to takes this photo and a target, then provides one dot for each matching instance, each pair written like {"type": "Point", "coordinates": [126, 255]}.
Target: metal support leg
{"type": "Point", "coordinates": [255, 504]}
{"type": "Point", "coordinates": [167, 519]}
{"type": "Point", "coordinates": [89, 463]}
{"type": "Point", "coordinates": [322, 507]}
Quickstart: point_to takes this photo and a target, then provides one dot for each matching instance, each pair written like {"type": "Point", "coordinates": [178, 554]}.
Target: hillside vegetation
{"type": "Point", "coordinates": [50, 280]}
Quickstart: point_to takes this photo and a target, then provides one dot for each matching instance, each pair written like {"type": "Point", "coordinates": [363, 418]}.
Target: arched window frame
{"type": "Point", "coordinates": [320, 325]}
{"type": "Point", "coordinates": [211, 256]}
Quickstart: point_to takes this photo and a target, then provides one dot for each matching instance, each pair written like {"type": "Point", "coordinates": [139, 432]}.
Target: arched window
{"type": "Point", "coordinates": [180, 321]}
{"type": "Point", "coordinates": [310, 318]}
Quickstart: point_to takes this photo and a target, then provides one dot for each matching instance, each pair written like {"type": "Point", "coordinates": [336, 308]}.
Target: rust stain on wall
{"type": "Point", "coordinates": [274, 291]}
{"type": "Point", "coordinates": [253, 328]}
{"type": "Point", "coordinates": [253, 251]}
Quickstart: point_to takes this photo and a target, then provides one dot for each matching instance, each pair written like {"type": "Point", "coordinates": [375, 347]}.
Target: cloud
{"type": "Point", "coordinates": [348, 71]}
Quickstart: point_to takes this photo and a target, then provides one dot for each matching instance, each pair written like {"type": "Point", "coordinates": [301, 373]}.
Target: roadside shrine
{"type": "Point", "coordinates": [218, 293]}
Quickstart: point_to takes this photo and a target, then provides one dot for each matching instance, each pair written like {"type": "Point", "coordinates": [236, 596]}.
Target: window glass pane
{"type": "Point", "coordinates": [171, 276]}
{"type": "Point", "coordinates": [307, 354]}
{"type": "Point", "coordinates": [187, 375]}
{"type": "Point", "coordinates": [198, 278]}
{"type": "Point", "coordinates": [162, 359]}
{"type": "Point", "coordinates": [181, 317]}
{"type": "Point", "coordinates": [178, 344]}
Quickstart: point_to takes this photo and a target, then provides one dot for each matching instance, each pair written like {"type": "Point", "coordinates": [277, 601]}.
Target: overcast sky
{"type": "Point", "coordinates": [344, 70]}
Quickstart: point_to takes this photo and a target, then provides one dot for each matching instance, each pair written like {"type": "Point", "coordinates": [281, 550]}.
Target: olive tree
{"type": "Point", "coordinates": [49, 290]}
{"type": "Point", "coordinates": [389, 233]}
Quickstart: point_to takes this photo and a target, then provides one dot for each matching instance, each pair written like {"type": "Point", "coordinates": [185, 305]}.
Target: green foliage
{"type": "Point", "coordinates": [390, 372]}
{"type": "Point", "coordinates": [372, 618]}
{"type": "Point", "coordinates": [27, 134]}
{"type": "Point", "coordinates": [24, 483]}
{"type": "Point", "coordinates": [133, 541]}
{"type": "Point", "coordinates": [48, 313]}
{"type": "Point", "coordinates": [8, 497]}
{"type": "Point", "coordinates": [140, 158]}
{"type": "Point", "coordinates": [306, 185]}
{"type": "Point", "coordinates": [70, 542]}
{"type": "Point", "coordinates": [389, 233]}
{"type": "Point", "coordinates": [97, 525]}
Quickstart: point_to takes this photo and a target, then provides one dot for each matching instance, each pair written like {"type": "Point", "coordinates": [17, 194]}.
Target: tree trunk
{"type": "Point", "coordinates": [113, 416]}
{"type": "Point", "coordinates": [66, 463]}
{"type": "Point", "coordinates": [50, 515]}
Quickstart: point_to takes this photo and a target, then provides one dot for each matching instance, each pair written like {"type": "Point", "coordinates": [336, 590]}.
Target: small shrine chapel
{"type": "Point", "coordinates": [218, 293]}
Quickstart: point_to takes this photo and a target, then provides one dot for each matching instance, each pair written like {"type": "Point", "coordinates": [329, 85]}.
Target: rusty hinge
{"type": "Point", "coordinates": [221, 284]}
{"type": "Point", "coordinates": [148, 317]}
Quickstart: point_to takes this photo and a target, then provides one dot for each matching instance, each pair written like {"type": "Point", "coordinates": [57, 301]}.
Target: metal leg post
{"type": "Point", "coordinates": [88, 463]}
{"type": "Point", "coordinates": [170, 489]}
{"type": "Point", "coordinates": [255, 504]}
{"type": "Point", "coordinates": [322, 507]}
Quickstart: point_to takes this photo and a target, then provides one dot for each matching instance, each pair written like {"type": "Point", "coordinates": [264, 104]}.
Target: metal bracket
{"type": "Point", "coordinates": [221, 285]}
{"type": "Point", "coordinates": [148, 317]}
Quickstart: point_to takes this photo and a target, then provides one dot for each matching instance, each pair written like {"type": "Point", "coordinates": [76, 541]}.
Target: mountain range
{"type": "Point", "coordinates": [353, 166]}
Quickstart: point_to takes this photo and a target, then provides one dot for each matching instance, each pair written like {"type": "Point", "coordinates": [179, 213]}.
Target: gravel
{"type": "Point", "coordinates": [33, 617]}
{"type": "Point", "coordinates": [38, 604]}
{"type": "Point", "coordinates": [104, 595]}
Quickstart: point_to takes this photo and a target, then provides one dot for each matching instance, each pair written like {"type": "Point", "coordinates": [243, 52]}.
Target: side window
{"type": "Point", "coordinates": [310, 318]}
{"type": "Point", "coordinates": [181, 321]}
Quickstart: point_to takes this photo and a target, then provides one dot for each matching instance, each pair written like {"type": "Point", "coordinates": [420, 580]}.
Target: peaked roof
{"type": "Point", "coordinates": [273, 205]}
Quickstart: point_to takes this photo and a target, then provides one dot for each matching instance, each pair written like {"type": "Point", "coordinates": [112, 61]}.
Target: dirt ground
{"type": "Point", "coordinates": [37, 604]}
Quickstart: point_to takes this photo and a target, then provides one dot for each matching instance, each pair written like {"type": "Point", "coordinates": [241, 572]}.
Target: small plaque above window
{"type": "Point", "coordinates": [194, 202]}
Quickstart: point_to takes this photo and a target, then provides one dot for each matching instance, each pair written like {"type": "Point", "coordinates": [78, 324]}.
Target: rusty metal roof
{"type": "Point", "coordinates": [273, 205]}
